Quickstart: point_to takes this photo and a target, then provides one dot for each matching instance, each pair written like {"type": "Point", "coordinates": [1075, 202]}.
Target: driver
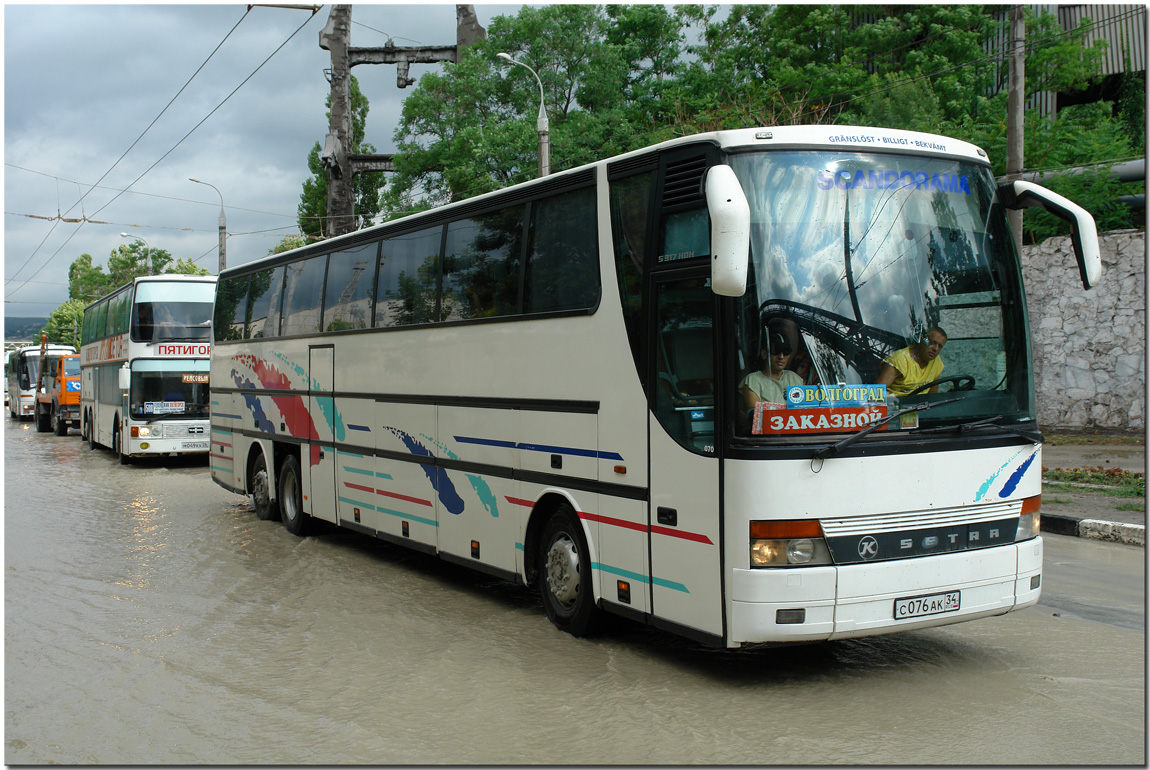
{"type": "Point", "coordinates": [914, 366]}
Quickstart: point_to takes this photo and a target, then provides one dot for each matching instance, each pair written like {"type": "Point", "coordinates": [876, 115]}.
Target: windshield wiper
{"type": "Point", "coordinates": [839, 446]}
{"type": "Point", "coordinates": [990, 422]}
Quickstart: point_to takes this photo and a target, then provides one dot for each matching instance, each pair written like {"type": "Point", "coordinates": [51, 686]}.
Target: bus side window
{"type": "Point", "coordinates": [231, 305]}
{"type": "Point", "coordinates": [685, 360]}
{"type": "Point", "coordinates": [303, 296]}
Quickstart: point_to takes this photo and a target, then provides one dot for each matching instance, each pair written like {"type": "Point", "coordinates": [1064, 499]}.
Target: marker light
{"type": "Point", "coordinates": [793, 543]}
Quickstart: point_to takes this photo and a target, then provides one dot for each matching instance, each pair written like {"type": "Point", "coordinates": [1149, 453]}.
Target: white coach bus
{"type": "Point", "coordinates": [144, 359]}
{"type": "Point", "coordinates": [556, 383]}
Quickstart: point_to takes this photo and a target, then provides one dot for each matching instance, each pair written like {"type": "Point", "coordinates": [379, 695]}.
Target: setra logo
{"type": "Point", "coordinates": [868, 548]}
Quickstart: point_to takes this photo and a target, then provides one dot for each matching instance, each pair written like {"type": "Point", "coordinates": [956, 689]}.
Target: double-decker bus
{"type": "Point", "coordinates": [23, 371]}
{"type": "Point", "coordinates": [556, 383]}
{"type": "Point", "coordinates": [144, 360]}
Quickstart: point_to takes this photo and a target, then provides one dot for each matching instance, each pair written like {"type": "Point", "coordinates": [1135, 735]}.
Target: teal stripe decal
{"type": "Point", "coordinates": [639, 577]}
{"type": "Point", "coordinates": [389, 512]}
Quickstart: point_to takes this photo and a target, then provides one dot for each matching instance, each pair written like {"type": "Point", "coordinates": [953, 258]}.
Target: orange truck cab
{"type": "Point", "coordinates": [58, 394]}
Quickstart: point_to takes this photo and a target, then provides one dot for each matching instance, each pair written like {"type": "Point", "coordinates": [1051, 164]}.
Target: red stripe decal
{"type": "Point", "coordinates": [361, 488]}
{"type": "Point", "coordinates": [637, 526]}
{"type": "Point", "coordinates": [416, 500]}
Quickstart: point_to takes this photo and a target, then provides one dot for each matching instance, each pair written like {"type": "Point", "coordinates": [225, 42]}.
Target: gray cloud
{"type": "Point", "coordinates": [82, 82]}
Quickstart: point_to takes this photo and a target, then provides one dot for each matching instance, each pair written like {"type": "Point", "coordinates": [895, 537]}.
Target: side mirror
{"type": "Point", "coordinates": [1083, 232]}
{"type": "Point", "coordinates": [125, 377]}
{"type": "Point", "coordinates": [730, 231]}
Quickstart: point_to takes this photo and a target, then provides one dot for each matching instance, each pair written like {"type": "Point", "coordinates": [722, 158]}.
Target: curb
{"type": "Point", "coordinates": [1095, 529]}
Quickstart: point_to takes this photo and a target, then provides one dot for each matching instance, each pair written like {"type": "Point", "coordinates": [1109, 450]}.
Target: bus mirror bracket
{"type": "Point", "coordinates": [125, 377]}
{"type": "Point", "coordinates": [730, 231]}
{"type": "Point", "coordinates": [1019, 194]}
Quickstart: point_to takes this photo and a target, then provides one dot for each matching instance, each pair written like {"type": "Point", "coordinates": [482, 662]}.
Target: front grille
{"type": "Point", "coordinates": [185, 430]}
{"type": "Point", "coordinates": [938, 517]}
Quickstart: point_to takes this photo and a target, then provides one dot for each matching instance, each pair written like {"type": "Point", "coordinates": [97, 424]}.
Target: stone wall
{"type": "Point", "coordinates": [1089, 346]}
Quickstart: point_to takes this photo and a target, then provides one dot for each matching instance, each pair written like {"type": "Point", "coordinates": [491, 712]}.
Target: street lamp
{"type": "Point", "coordinates": [541, 124]}
{"type": "Point", "coordinates": [147, 251]}
{"type": "Point", "coordinates": [223, 223]}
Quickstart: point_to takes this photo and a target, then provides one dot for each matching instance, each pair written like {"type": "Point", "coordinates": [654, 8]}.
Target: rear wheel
{"type": "Point", "coordinates": [266, 507]}
{"type": "Point", "coordinates": [291, 498]}
{"type": "Point", "coordinates": [563, 574]}
{"type": "Point", "coordinates": [90, 430]}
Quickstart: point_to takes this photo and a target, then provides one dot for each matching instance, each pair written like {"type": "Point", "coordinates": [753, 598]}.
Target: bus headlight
{"type": "Point", "coordinates": [1029, 521]}
{"type": "Point", "coordinates": [142, 432]}
{"type": "Point", "coordinates": [788, 544]}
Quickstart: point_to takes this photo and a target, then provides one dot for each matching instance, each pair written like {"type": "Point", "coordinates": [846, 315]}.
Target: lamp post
{"type": "Point", "coordinates": [223, 224]}
{"type": "Point", "coordinates": [541, 124]}
{"type": "Point", "coordinates": [147, 250]}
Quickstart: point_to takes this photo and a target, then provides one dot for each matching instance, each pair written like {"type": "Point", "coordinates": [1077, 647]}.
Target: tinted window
{"type": "Point", "coordinates": [630, 212]}
{"type": "Point", "coordinates": [350, 288]}
{"type": "Point", "coordinates": [408, 277]}
{"type": "Point", "coordinates": [303, 291]}
{"type": "Point", "coordinates": [264, 302]}
{"type": "Point", "coordinates": [563, 263]}
{"type": "Point", "coordinates": [101, 321]}
{"type": "Point", "coordinates": [231, 303]}
{"type": "Point", "coordinates": [119, 309]}
{"type": "Point", "coordinates": [481, 266]}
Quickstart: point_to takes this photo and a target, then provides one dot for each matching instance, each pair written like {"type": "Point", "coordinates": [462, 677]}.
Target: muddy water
{"type": "Point", "coordinates": [151, 618]}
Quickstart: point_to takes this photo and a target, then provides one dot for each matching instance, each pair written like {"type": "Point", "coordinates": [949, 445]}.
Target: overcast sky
{"type": "Point", "coordinates": [83, 82]}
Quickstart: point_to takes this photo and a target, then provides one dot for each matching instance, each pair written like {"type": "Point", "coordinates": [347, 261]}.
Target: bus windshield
{"type": "Point", "coordinates": [174, 311]}
{"type": "Point", "coordinates": [169, 389]}
{"type": "Point", "coordinates": [862, 262]}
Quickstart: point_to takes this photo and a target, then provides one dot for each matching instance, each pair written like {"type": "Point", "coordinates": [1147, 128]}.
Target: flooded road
{"type": "Point", "coordinates": [150, 618]}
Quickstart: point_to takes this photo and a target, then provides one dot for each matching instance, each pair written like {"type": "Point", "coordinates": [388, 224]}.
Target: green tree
{"type": "Point", "coordinates": [312, 209]}
{"type": "Point", "coordinates": [63, 326]}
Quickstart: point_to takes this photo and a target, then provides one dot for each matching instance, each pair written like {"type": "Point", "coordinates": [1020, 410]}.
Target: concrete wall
{"type": "Point", "coordinates": [1089, 346]}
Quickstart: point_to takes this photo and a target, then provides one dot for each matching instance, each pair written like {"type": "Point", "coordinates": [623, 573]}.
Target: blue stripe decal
{"type": "Point", "coordinates": [358, 427]}
{"type": "Point", "coordinates": [221, 430]}
{"type": "Point", "coordinates": [556, 450]}
{"type": "Point", "coordinates": [228, 416]}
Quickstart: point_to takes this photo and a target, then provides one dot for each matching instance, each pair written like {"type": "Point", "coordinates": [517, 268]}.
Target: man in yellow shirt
{"type": "Point", "coordinates": [904, 370]}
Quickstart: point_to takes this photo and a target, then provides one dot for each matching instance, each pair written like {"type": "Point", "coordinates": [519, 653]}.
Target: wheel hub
{"type": "Point", "coordinates": [563, 571]}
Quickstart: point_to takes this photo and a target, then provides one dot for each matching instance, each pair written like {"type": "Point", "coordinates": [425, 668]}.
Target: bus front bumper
{"type": "Point", "coordinates": [821, 603]}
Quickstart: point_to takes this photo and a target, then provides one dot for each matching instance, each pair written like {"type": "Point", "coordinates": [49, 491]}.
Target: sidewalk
{"type": "Point", "coordinates": [1087, 514]}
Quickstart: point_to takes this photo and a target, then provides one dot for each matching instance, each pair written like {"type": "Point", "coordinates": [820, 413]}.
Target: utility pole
{"type": "Point", "coordinates": [1016, 98]}
{"type": "Point", "coordinates": [341, 165]}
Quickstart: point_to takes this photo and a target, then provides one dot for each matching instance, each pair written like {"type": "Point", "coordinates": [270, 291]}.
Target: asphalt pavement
{"type": "Point", "coordinates": [1084, 512]}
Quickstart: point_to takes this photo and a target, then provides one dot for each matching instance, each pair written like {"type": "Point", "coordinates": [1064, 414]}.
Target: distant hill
{"type": "Point", "coordinates": [23, 328]}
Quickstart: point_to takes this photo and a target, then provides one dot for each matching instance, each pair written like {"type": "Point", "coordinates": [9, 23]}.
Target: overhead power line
{"type": "Point", "coordinates": [178, 143]}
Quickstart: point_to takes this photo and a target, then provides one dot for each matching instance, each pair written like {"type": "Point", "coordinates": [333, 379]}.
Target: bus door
{"type": "Point", "coordinates": [321, 460]}
{"type": "Point", "coordinates": [684, 512]}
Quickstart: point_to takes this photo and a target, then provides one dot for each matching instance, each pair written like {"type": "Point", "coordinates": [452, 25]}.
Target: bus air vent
{"type": "Point", "coordinates": [683, 182]}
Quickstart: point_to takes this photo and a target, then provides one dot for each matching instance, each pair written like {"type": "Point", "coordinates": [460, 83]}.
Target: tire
{"type": "Point", "coordinates": [563, 574]}
{"type": "Point", "coordinates": [291, 498]}
{"type": "Point", "coordinates": [87, 427]}
{"type": "Point", "coordinates": [43, 420]}
{"type": "Point", "coordinates": [61, 424]}
{"type": "Point", "coordinates": [118, 449]}
{"type": "Point", "coordinates": [266, 508]}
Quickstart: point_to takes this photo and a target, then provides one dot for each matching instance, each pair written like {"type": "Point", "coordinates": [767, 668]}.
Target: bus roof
{"type": "Point", "coordinates": [816, 137]}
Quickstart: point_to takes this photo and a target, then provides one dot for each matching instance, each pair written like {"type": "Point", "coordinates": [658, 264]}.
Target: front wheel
{"type": "Point", "coordinates": [118, 448]}
{"type": "Point", "coordinates": [61, 424]}
{"type": "Point", "coordinates": [291, 498]}
{"type": "Point", "coordinates": [43, 419]}
{"type": "Point", "coordinates": [563, 574]}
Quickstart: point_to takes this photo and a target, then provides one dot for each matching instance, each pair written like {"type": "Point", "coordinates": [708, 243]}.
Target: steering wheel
{"type": "Point", "coordinates": [961, 382]}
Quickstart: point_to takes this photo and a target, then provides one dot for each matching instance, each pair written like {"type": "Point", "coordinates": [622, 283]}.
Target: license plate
{"type": "Point", "coordinates": [920, 606]}
{"type": "Point", "coordinates": [194, 445]}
